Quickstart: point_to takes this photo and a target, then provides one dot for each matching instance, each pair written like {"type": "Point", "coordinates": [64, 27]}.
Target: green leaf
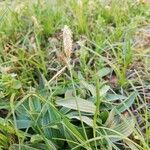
{"type": "Point", "coordinates": [6, 127]}
{"type": "Point", "coordinates": [72, 134]}
{"type": "Point", "coordinates": [51, 144]}
{"type": "Point", "coordinates": [36, 138]}
{"type": "Point", "coordinates": [77, 103]}
{"type": "Point", "coordinates": [103, 72]}
{"type": "Point", "coordinates": [69, 93]}
{"type": "Point", "coordinates": [23, 147]}
{"type": "Point", "coordinates": [104, 90]}
{"type": "Point", "coordinates": [23, 124]}
{"type": "Point", "coordinates": [4, 105]}
{"type": "Point", "coordinates": [119, 131]}
{"type": "Point", "coordinates": [51, 116]}
{"type": "Point", "coordinates": [4, 141]}
{"type": "Point", "coordinates": [103, 116]}
{"type": "Point", "coordinates": [85, 119]}
{"type": "Point", "coordinates": [110, 117]}
{"type": "Point", "coordinates": [131, 145]}
{"type": "Point", "coordinates": [16, 84]}
{"type": "Point", "coordinates": [125, 128]}
{"type": "Point", "coordinates": [92, 88]}
{"type": "Point", "coordinates": [127, 103]}
{"type": "Point", "coordinates": [89, 87]}
{"type": "Point", "coordinates": [114, 97]}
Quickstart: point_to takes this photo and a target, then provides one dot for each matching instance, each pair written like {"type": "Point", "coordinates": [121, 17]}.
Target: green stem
{"type": "Point", "coordinates": [98, 101]}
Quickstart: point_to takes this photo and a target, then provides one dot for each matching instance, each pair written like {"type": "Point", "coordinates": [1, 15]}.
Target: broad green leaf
{"type": "Point", "coordinates": [104, 90]}
{"type": "Point", "coordinates": [23, 124]}
{"type": "Point", "coordinates": [77, 103]}
{"type": "Point", "coordinates": [36, 138]}
{"type": "Point", "coordinates": [35, 104]}
{"type": "Point", "coordinates": [25, 147]}
{"type": "Point", "coordinates": [114, 97]}
{"type": "Point", "coordinates": [64, 110]}
{"type": "Point", "coordinates": [85, 119]}
{"type": "Point", "coordinates": [4, 105]}
{"type": "Point", "coordinates": [89, 87]}
{"type": "Point", "coordinates": [51, 144]}
{"type": "Point", "coordinates": [103, 116]}
{"type": "Point", "coordinates": [125, 128]}
{"type": "Point", "coordinates": [131, 145]}
{"type": "Point", "coordinates": [69, 93]}
{"type": "Point", "coordinates": [31, 105]}
{"type": "Point", "coordinates": [103, 72]}
{"type": "Point", "coordinates": [92, 88]}
{"type": "Point", "coordinates": [50, 116]}
{"type": "Point", "coordinates": [31, 109]}
{"type": "Point", "coordinates": [73, 134]}
{"type": "Point", "coordinates": [110, 118]}
{"type": "Point", "coordinates": [126, 103]}
{"type": "Point", "coordinates": [121, 130]}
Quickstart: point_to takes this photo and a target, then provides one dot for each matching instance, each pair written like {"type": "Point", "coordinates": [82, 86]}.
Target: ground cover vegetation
{"type": "Point", "coordinates": [75, 74]}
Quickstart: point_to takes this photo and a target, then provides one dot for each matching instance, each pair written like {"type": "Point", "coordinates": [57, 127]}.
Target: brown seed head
{"type": "Point", "coordinates": [67, 41]}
